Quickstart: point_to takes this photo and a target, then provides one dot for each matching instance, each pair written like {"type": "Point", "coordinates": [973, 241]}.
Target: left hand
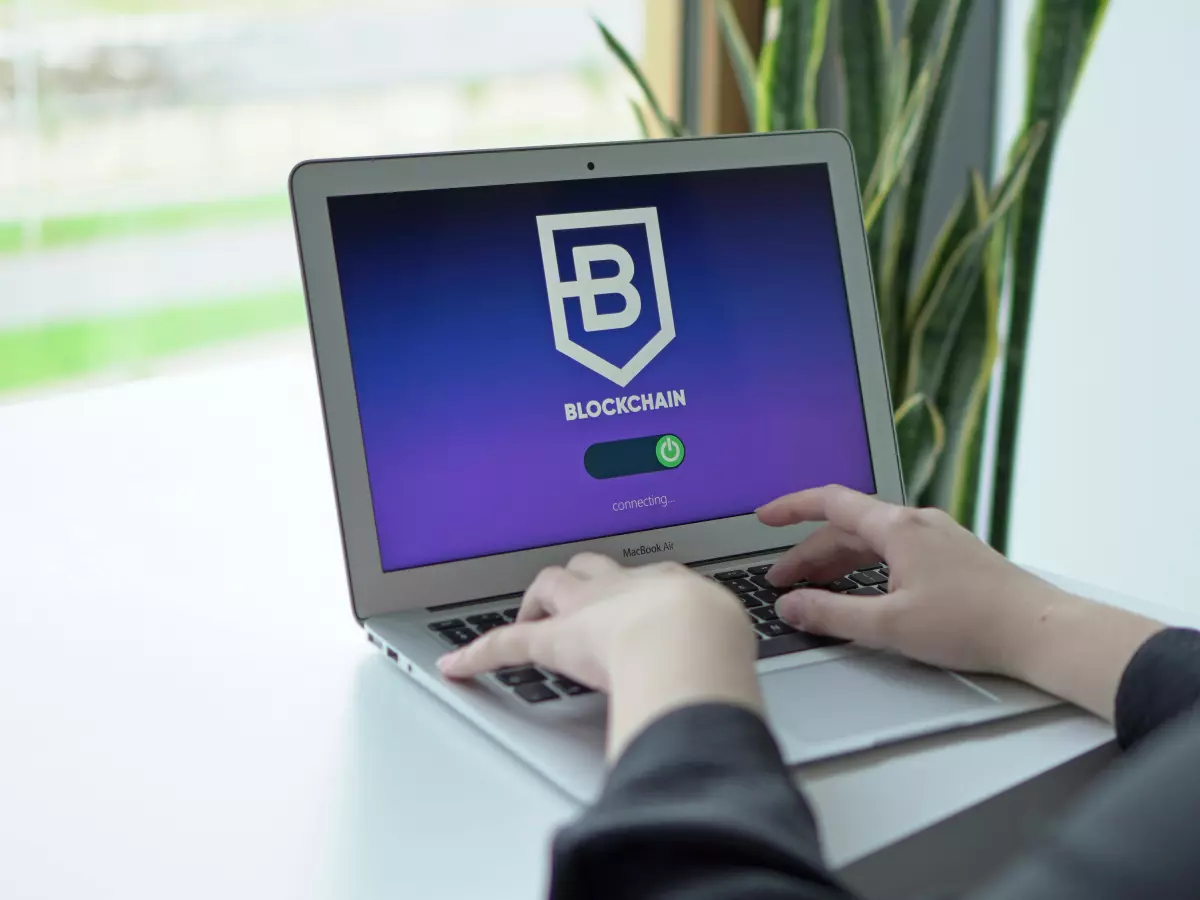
{"type": "Point", "coordinates": [654, 637]}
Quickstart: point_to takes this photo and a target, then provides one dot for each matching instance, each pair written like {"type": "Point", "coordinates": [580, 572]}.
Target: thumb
{"type": "Point", "coordinates": [836, 615]}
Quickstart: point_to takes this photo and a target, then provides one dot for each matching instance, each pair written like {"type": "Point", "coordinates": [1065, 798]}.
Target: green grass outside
{"type": "Point", "coordinates": [44, 354]}
{"type": "Point", "coordinates": [67, 230]}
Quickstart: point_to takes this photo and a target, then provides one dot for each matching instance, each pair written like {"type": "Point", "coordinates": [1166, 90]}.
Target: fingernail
{"type": "Point", "coordinates": [447, 660]}
{"type": "Point", "coordinates": [791, 607]}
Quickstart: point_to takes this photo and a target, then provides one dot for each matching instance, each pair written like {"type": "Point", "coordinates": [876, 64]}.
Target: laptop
{"type": "Point", "coordinates": [624, 348]}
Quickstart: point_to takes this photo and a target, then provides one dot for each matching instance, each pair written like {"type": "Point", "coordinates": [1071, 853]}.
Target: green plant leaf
{"type": "Point", "coordinates": [866, 41]}
{"type": "Point", "coordinates": [897, 81]}
{"type": "Point", "coordinates": [668, 125]}
{"type": "Point", "coordinates": [889, 301]}
{"type": "Point", "coordinates": [792, 50]}
{"type": "Point", "coordinates": [745, 69]}
{"type": "Point", "coordinates": [955, 340]}
{"type": "Point", "coordinates": [940, 66]}
{"type": "Point", "coordinates": [1060, 37]}
{"type": "Point", "coordinates": [882, 236]}
{"type": "Point", "coordinates": [937, 325]}
{"type": "Point", "coordinates": [965, 465]}
{"type": "Point", "coordinates": [937, 60]}
{"type": "Point", "coordinates": [921, 435]}
{"type": "Point", "coordinates": [958, 225]}
{"type": "Point", "coordinates": [919, 28]}
{"type": "Point", "coordinates": [643, 128]}
{"type": "Point", "coordinates": [962, 394]}
{"type": "Point", "coordinates": [895, 153]}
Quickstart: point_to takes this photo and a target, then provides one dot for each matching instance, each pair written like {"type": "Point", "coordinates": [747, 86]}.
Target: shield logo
{"type": "Point", "coordinates": [587, 286]}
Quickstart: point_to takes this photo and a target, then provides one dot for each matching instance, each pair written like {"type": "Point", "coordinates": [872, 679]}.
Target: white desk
{"type": "Point", "coordinates": [188, 710]}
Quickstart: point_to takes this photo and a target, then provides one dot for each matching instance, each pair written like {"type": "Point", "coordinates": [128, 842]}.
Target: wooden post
{"type": "Point", "coordinates": [721, 107]}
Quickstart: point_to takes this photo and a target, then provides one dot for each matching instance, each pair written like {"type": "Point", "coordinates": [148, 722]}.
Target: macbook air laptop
{"type": "Point", "coordinates": [623, 348]}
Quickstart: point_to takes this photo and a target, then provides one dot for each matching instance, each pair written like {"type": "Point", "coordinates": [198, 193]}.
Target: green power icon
{"type": "Point", "coordinates": [669, 451]}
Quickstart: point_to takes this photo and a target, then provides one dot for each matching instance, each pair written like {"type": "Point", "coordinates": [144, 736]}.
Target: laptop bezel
{"type": "Point", "coordinates": [376, 592]}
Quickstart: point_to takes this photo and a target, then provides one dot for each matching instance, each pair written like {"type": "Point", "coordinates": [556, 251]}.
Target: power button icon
{"type": "Point", "coordinates": [634, 456]}
{"type": "Point", "coordinates": [669, 451]}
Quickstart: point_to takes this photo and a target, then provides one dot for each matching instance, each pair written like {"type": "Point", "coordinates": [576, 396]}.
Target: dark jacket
{"type": "Point", "coordinates": [701, 807]}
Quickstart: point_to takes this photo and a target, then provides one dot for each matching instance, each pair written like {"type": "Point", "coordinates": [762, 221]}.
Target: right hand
{"type": "Point", "coordinates": [953, 600]}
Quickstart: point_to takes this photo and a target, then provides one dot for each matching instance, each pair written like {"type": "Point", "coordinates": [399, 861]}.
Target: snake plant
{"type": "Point", "coordinates": [941, 314]}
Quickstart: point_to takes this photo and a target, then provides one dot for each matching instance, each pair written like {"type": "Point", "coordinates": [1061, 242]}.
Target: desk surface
{"type": "Point", "coordinates": [190, 711]}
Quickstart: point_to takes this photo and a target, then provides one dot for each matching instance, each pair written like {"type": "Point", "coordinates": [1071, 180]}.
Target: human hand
{"type": "Point", "coordinates": [654, 637]}
{"type": "Point", "coordinates": [953, 600]}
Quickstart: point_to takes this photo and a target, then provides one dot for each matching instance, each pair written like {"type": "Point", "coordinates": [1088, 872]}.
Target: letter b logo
{"type": "Point", "coordinates": [587, 286]}
{"type": "Point", "coordinates": [621, 283]}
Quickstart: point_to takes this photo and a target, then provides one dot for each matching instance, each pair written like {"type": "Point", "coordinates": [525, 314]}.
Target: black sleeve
{"type": "Point", "coordinates": [1160, 682]}
{"type": "Point", "coordinates": [1134, 834]}
{"type": "Point", "coordinates": [700, 806]}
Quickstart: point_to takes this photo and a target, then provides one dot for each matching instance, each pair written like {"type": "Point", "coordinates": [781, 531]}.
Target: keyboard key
{"type": "Point", "coordinates": [838, 585]}
{"type": "Point", "coordinates": [741, 586]}
{"type": "Point", "coordinates": [866, 592]}
{"type": "Point", "coordinates": [766, 614]}
{"type": "Point", "coordinates": [797, 641]}
{"type": "Point", "coordinates": [513, 677]}
{"type": "Point", "coordinates": [749, 601]}
{"type": "Point", "coordinates": [873, 567]}
{"type": "Point", "coordinates": [457, 636]}
{"type": "Point", "coordinates": [731, 575]}
{"type": "Point", "coordinates": [763, 584]}
{"type": "Point", "coordinates": [767, 596]}
{"type": "Point", "coordinates": [511, 614]}
{"type": "Point", "coordinates": [448, 623]}
{"type": "Point", "coordinates": [774, 629]}
{"type": "Point", "coordinates": [485, 618]}
{"type": "Point", "coordinates": [867, 578]}
{"type": "Point", "coordinates": [484, 627]}
{"type": "Point", "coordinates": [759, 570]}
{"type": "Point", "coordinates": [571, 688]}
{"type": "Point", "coordinates": [885, 571]}
{"type": "Point", "coordinates": [537, 692]}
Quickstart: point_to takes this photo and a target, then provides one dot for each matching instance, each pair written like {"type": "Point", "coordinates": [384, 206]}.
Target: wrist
{"type": "Point", "coordinates": [706, 656]}
{"type": "Point", "coordinates": [1078, 649]}
{"type": "Point", "coordinates": [1028, 634]}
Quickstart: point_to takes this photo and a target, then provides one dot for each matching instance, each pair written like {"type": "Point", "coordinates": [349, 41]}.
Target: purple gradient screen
{"type": "Point", "coordinates": [462, 394]}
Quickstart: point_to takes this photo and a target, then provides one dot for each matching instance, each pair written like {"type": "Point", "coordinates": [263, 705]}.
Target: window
{"type": "Point", "coordinates": [145, 147]}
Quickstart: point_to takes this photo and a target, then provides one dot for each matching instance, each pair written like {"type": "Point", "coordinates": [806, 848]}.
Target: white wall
{"type": "Point", "coordinates": [1108, 484]}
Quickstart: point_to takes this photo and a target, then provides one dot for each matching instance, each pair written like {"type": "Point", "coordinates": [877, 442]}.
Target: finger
{"type": "Point", "coordinates": [500, 648]}
{"type": "Point", "coordinates": [858, 514]}
{"type": "Point", "coordinates": [858, 619]}
{"type": "Point", "coordinates": [545, 596]}
{"type": "Point", "coordinates": [592, 565]}
{"type": "Point", "coordinates": [822, 556]}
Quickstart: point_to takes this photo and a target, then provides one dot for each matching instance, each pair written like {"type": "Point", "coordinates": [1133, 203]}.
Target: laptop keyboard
{"type": "Point", "coordinates": [758, 596]}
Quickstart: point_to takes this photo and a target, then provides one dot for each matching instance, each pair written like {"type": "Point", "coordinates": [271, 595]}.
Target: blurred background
{"type": "Point", "coordinates": [145, 147]}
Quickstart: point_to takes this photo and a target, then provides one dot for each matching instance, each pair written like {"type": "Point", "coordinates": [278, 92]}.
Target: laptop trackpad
{"type": "Point", "coordinates": [865, 694]}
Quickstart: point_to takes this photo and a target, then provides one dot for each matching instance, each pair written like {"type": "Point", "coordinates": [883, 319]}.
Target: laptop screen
{"type": "Point", "coordinates": [543, 363]}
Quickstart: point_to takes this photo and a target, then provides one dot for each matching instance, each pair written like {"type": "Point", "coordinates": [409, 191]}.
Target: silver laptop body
{"type": "Point", "coordinates": [623, 348]}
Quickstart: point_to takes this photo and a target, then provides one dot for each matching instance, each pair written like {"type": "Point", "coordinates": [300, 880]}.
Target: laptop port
{"type": "Point", "coordinates": [392, 655]}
